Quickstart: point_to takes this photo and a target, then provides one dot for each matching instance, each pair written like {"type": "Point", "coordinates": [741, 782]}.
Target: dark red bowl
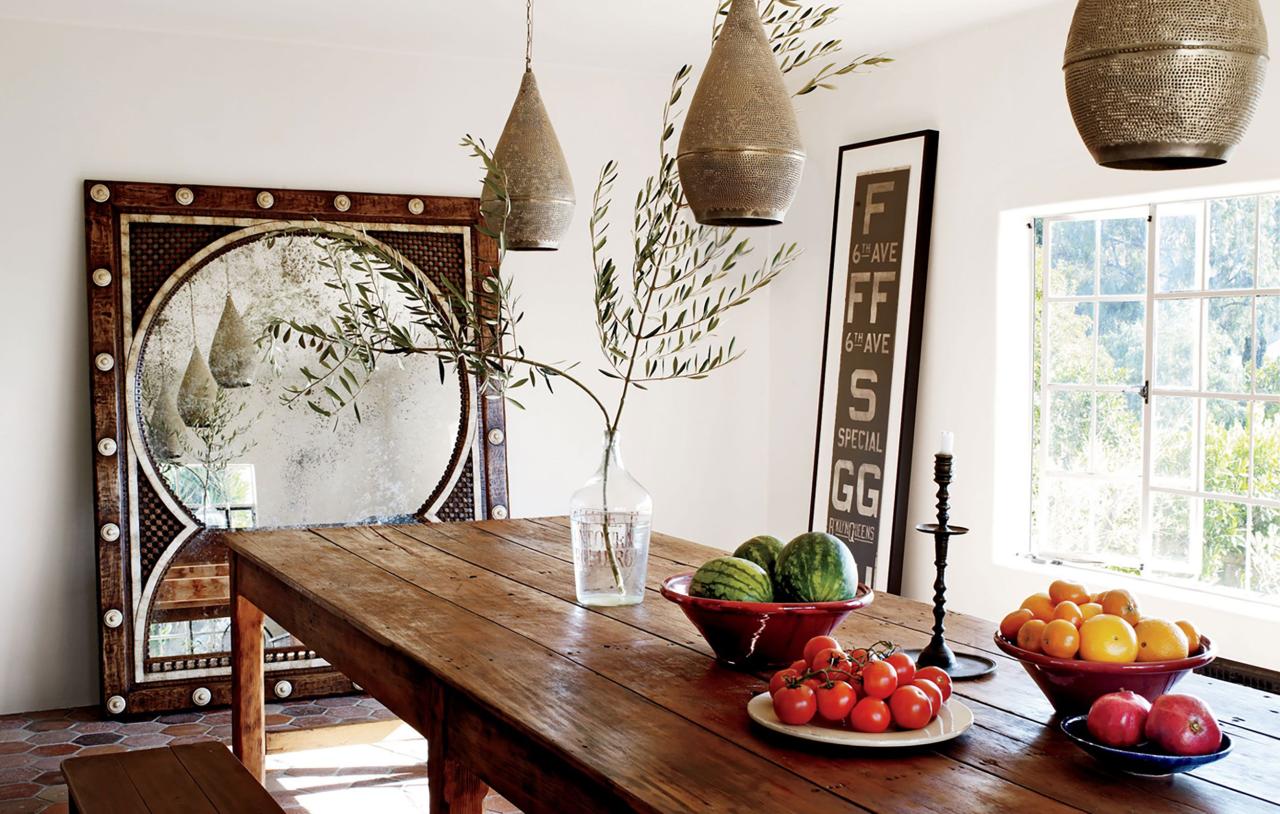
{"type": "Point", "coordinates": [752, 635]}
{"type": "Point", "coordinates": [1072, 685]}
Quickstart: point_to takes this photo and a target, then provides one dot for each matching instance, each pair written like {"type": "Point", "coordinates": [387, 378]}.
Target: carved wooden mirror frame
{"type": "Point", "coordinates": [141, 240]}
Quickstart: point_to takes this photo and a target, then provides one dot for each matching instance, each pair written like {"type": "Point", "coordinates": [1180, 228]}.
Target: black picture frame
{"type": "Point", "coordinates": [879, 566]}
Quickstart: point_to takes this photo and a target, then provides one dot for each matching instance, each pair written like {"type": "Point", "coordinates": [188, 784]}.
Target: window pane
{"type": "Point", "coordinates": [1266, 358]}
{"type": "Point", "coordinates": [1073, 257]}
{"type": "Point", "coordinates": [1228, 329]}
{"type": "Point", "coordinates": [1173, 442]}
{"type": "Point", "coordinates": [1178, 229]}
{"type": "Point", "coordinates": [1123, 268]}
{"type": "Point", "coordinates": [1177, 328]}
{"type": "Point", "coordinates": [1266, 450]}
{"type": "Point", "coordinates": [1226, 447]}
{"type": "Point", "coordinates": [1171, 528]}
{"type": "Point", "coordinates": [1070, 414]}
{"type": "Point", "coordinates": [1122, 334]}
{"type": "Point", "coordinates": [1071, 342]}
{"type": "Point", "coordinates": [1117, 518]}
{"type": "Point", "coordinates": [1225, 525]}
{"type": "Point", "coordinates": [1119, 433]}
{"type": "Point", "coordinates": [1264, 553]}
{"type": "Point", "coordinates": [1232, 242]}
{"type": "Point", "coordinates": [1070, 523]}
{"type": "Point", "coordinates": [1269, 248]}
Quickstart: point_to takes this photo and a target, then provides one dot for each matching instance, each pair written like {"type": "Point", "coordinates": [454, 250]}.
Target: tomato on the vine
{"type": "Point", "coordinates": [879, 679]}
{"type": "Point", "coordinates": [905, 667]}
{"type": "Point", "coordinates": [910, 708]}
{"type": "Point", "coordinates": [782, 678]}
{"type": "Point", "coordinates": [800, 665]}
{"type": "Point", "coordinates": [933, 691]}
{"type": "Point", "coordinates": [938, 676]}
{"type": "Point", "coordinates": [870, 715]}
{"type": "Point", "coordinates": [795, 705]}
{"type": "Point", "coordinates": [836, 700]}
{"type": "Point", "coordinates": [828, 658]}
{"type": "Point", "coordinates": [817, 643]}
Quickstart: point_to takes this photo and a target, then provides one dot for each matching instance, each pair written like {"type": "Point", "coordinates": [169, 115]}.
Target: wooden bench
{"type": "Point", "coordinates": [196, 778]}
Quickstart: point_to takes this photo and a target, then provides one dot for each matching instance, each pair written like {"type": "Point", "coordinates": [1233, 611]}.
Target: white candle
{"type": "Point", "coordinates": [948, 443]}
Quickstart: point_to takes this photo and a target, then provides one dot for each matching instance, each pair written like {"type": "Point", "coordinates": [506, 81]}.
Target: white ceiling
{"type": "Point", "coordinates": [627, 34]}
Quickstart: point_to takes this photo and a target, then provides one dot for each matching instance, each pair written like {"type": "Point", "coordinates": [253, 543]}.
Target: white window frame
{"type": "Point", "coordinates": [1145, 560]}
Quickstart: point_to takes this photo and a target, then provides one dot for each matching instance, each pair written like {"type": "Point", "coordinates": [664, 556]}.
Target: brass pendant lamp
{"type": "Point", "coordinates": [537, 182]}
{"type": "Point", "coordinates": [198, 391]}
{"type": "Point", "coordinates": [232, 354]}
{"type": "Point", "coordinates": [740, 154]}
{"type": "Point", "coordinates": [1165, 84]}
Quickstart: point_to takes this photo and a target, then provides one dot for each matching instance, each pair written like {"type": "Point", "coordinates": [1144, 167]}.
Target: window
{"type": "Point", "coordinates": [1156, 379]}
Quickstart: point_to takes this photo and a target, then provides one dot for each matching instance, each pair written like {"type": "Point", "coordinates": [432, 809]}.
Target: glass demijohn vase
{"type": "Point", "coordinates": [611, 517]}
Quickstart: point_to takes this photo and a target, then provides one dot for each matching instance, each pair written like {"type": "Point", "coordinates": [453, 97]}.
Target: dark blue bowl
{"type": "Point", "coordinates": [1143, 759]}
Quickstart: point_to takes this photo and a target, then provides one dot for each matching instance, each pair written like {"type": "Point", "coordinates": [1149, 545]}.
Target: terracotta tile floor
{"type": "Point", "coordinates": [389, 776]}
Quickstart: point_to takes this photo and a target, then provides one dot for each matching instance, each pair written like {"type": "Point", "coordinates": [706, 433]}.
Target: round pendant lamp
{"type": "Point", "coordinates": [1165, 84]}
{"type": "Point", "coordinates": [740, 154]}
{"type": "Point", "coordinates": [537, 182]}
{"type": "Point", "coordinates": [165, 428]}
{"type": "Point", "coordinates": [232, 354]}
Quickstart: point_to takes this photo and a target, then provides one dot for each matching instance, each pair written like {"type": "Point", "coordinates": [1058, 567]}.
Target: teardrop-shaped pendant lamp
{"type": "Point", "coordinates": [197, 392]}
{"type": "Point", "coordinates": [166, 428]}
{"type": "Point", "coordinates": [232, 354]}
{"type": "Point", "coordinates": [1165, 84]}
{"type": "Point", "coordinates": [537, 182]}
{"type": "Point", "coordinates": [740, 154]}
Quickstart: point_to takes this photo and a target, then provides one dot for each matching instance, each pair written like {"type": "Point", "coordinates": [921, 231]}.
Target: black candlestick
{"type": "Point", "coordinates": [937, 653]}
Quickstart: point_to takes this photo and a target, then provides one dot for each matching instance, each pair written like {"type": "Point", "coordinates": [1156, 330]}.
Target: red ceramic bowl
{"type": "Point", "coordinates": [1072, 685]}
{"type": "Point", "coordinates": [752, 635]}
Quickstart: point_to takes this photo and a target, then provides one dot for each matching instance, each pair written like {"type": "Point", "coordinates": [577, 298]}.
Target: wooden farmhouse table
{"type": "Point", "coordinates": [469, 632]}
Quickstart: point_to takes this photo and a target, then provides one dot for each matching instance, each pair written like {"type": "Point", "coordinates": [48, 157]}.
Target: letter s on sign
{"type": "Point", "coordinates": [864, 393]}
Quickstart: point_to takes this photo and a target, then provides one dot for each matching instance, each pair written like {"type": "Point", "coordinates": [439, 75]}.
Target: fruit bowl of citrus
{"type": "Point", "coordinates": [758, 607]}
{"type": "Point", "coordinates": [1079, 646]}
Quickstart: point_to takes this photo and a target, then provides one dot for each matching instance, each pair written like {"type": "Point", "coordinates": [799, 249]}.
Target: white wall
{"type": "Point", "coordinates": [1007, 142]}
{"type": "Point", "coordinates": [80, 103]}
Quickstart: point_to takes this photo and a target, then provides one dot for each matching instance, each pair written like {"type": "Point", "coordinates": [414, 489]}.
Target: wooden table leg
{"type": "Point", "coordinates": [453, 788]}
{"type": "Point", "coordinates": [248, 724]}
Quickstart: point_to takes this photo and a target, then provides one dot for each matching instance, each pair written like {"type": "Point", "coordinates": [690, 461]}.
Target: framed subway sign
{"type": "Point", "coordinates": [871, 351]}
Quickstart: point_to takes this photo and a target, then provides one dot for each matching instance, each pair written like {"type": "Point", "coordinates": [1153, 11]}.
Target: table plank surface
{"type": "Point", "coordinates": [560, 707]}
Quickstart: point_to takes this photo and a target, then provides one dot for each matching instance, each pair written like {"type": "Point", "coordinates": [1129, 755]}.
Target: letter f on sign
{"type": "Point", "coordinates": [874, 207]}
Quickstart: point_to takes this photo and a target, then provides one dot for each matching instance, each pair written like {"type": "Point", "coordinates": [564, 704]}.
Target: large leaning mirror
{"type": "Point", "coordinates": [201, 401]}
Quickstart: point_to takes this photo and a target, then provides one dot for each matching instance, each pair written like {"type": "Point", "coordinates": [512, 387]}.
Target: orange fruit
{"type": "Point", "coordinates": [1070, 611]}
{"type": "Point", "coordinates": [1060, 639]}
{"type": "Point", "coordinates": [1090, 609]}
{"type": "Point", "coordinates": [1012, 623]}
{"type": "Point", "coordinates": [1109, 638]}
{"type": "Point", "coordinates": [1121, 603]}
{"type": "Point", "coordinates": [1040, 605]}
{"type": "Point", "coordinates": [1193, 635]}
{"type": "Point", "coordinates": [1029, 635]}
{"type": "Point", "coordinates": [1064, 591]}
{"type": "Point", "coordinates": [1159, 640]}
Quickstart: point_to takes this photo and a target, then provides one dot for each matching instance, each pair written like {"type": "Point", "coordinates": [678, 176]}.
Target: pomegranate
{"type": "Point", "coordinates": [1117, 719]}
{"type": "Point", "coordinates": [1183, 725]}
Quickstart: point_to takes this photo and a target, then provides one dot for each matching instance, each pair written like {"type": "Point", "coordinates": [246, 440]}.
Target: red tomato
{"type": "Point", "coordinates": [780, 678]}
{"type": "Point", "coordinates": [905, 667]}
{"type": "Point", "coordinates": [795, 705]}
{"type": "Point", "coordinates": [817, 643]}
{"type": "Point", "coordinates": [835, 700]}
{"type": "Point", "coordinates": [910, 708]}
{"type": "Point", "coordinates": [800, 665]}
{"type": "Point", "coordinates": [859, 656]}
{"type": "Point", "coordinates": [827, 658]}
{"type": "Point", "coordinates": [870, 715]}
{"type": "Point", "coordinates": [938, 676]}
{"type": "Point", "coordinates": [813, 683]}
{"type": "Point", "coordinates": [933, 691]}
{"type": "Point", "coordinates": [879, 679]}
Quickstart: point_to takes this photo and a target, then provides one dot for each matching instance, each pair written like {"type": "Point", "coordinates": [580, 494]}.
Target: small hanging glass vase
{"type": "Point", "coordinates": [611, 516]}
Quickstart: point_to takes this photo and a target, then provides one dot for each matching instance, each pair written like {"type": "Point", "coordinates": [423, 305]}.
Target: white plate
{"type": "Point", "coordinates": [951, 722]}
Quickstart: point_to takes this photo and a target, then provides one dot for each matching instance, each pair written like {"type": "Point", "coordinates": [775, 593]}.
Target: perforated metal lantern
{"type": "Point", "coordinates": [740, 154]}
{"type": "Point", "coordinates": [1165, 84]}
{"type": "Point", "coordinates": [538, 185]}
{"type": "Point", "coordinates": [233, 356]}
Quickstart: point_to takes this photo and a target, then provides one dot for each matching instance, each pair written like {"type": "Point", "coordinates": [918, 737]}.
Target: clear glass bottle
{"type": "Point", "coordinates": [611, 516]}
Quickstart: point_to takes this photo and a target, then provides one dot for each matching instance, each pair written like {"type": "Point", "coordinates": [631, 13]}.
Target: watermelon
{"type": "Point", "coordinates": [816, 567]}
{"type": "Point", "coordinates": [762, 550]}
{"type": "Point", "coordinates": [732, 578]}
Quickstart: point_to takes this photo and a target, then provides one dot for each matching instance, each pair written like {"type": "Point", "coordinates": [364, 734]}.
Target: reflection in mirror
{"type": "Point", "coordinates": [231, 446]}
